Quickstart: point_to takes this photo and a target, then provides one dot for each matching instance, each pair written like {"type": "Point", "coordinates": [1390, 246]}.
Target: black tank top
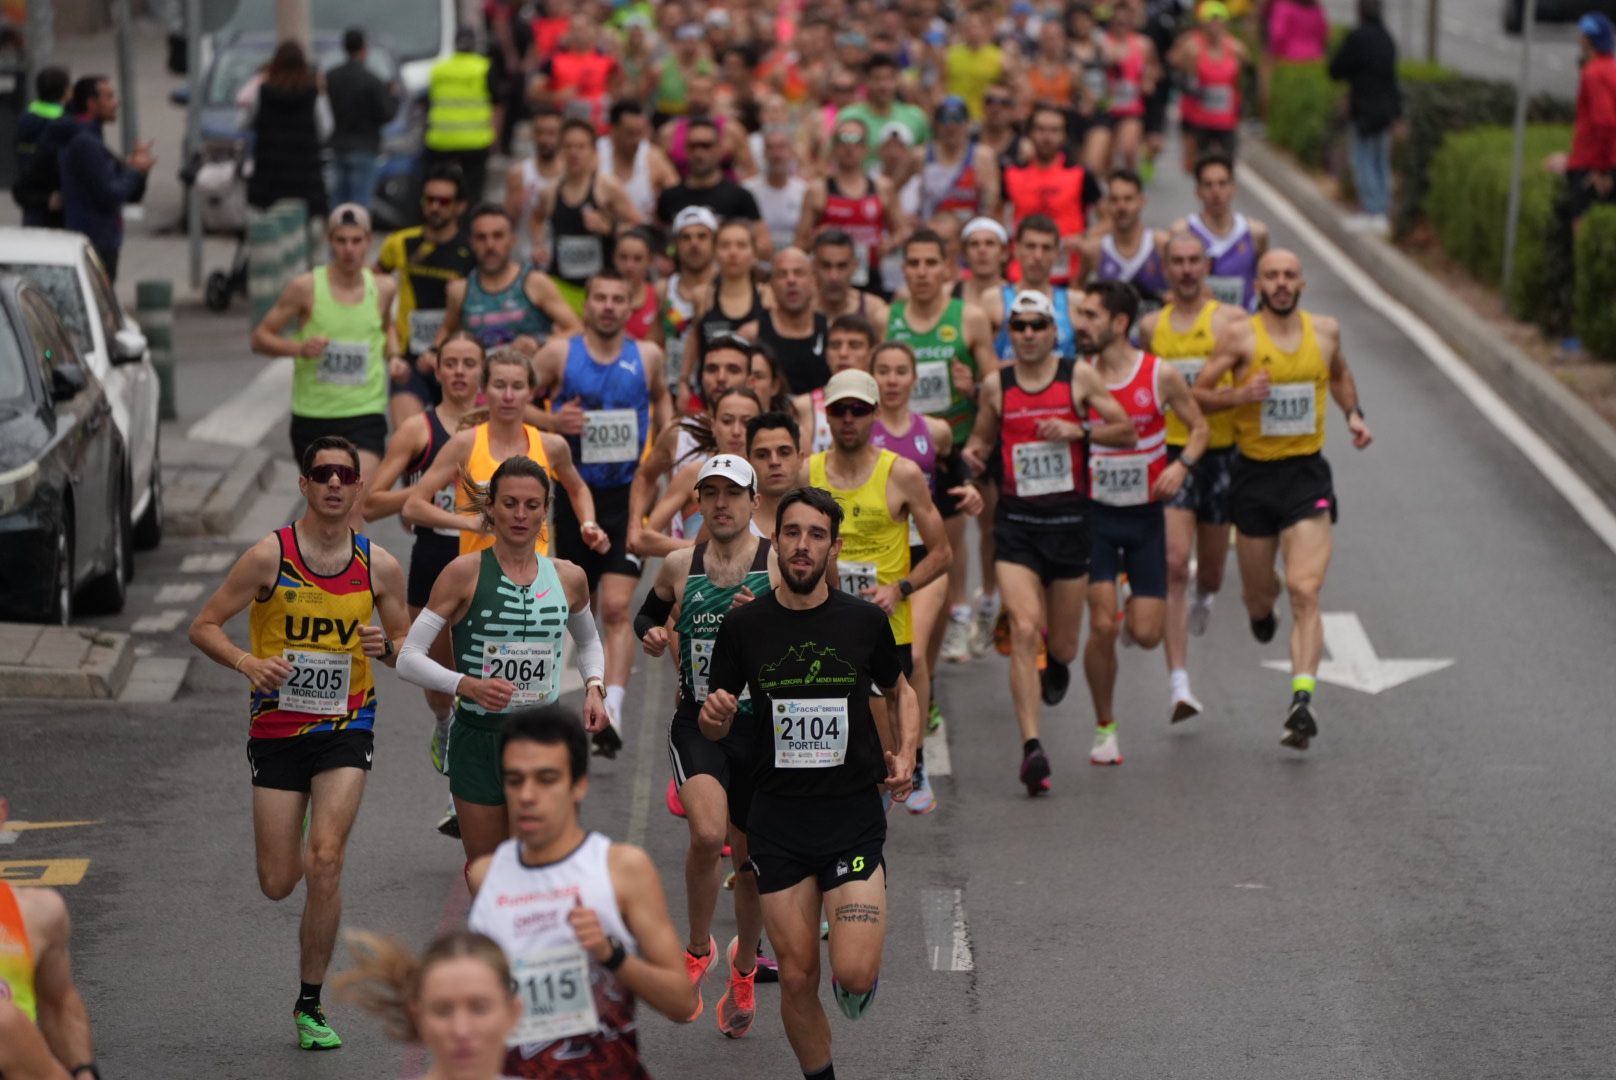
{"type": "Point", "coordinates": [437, 437]}
{"type": "Point", "coordinates": [714, 321]}
{"type": "Point", "coordinates": [576, 253]}
{"type": "Point", "coordinates": [801, 360]}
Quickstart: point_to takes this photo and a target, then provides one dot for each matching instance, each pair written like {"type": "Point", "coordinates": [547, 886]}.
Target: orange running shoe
{"type": "Point", "coordinates": [738, 1005]}
{"type": "Point", "coordinates": [696, 967]}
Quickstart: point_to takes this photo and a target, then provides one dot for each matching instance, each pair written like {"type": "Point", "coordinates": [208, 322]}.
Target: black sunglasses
{"type": "Point", "coordinates": [840, 409]}
{"type": "Point", "coordinates": [346, 475]}
{"type": "Point", "coordinates": [1035, 325]}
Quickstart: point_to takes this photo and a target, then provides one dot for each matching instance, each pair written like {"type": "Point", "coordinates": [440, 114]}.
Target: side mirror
{"type": "Point", "coordinates": [128, 346]}
{"type": "Point", "coordinates": [180, 95]}
{"type": "Point", "coordinates": [67, 381]}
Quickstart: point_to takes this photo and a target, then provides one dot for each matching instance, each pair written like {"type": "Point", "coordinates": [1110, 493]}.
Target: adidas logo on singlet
{"type": "Point", "coordinates": [697, 596]}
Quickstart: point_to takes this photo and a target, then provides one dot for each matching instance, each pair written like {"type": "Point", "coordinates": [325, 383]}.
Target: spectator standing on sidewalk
{"type": "Point", "coordinates": [1589, 169]}
{"type": "Point", "coordinates": [288, 119]}
{"type": "Point", "coordinates": [460, 113]}
{"type": "Point", "coordinates": [1367, 63]}
{"type": "Point", "coordinates": [95, 184]}
{"type": "Point", "coordinates": [361, 105]}
{"type": "Point", "coordinates": [48, 106]}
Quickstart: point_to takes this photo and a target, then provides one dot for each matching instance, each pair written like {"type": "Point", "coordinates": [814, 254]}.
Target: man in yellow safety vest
{"type": "Point", "coordinates": [460, 114]}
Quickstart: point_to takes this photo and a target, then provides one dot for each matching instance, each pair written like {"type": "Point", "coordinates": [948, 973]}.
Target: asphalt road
{"type": "Point", "coordinates": [1426, 893]}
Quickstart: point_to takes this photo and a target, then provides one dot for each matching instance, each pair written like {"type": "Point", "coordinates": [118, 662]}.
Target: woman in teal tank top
{"type": "Point", "coordinates": [509, 609]}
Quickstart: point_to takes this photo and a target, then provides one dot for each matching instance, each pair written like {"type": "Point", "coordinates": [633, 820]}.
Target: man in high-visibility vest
{"type": "Point", "coordinates": [460, 114]}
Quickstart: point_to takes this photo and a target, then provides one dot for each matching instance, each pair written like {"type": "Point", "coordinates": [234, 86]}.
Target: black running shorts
{"type": "Point", "coordinates": [832, 839]}
{"type": "Point", "coordinates": [611, 514]}
{"type": "Point", "coordinates": [1131, 540]}
{"type": "Point", "coordinates": [1054, 554]}
{"type": "Point", "coordinates": [727, 760]}
{"type": "Point", "coordinates": [1267, 497]}
{"type": "Point", "coordinates": [1205, 490]}
{"type": "Point", "coordinates": [291, 764]}
{"type": "Point", "coordinates": [430, 555]}
{"type": "Point", "coordinates": [368, 432]}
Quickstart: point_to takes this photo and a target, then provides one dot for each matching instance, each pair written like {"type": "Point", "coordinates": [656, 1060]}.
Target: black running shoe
{"type": "Point", "coordinates": [1301, 727]}
{"type": "Point", "coordinates": [767, 970]}
{"type": "Point", "coordinates": [1263, 629]}
{"type": "Point", "coordinates": [1035, 772]}
{"type": "Point", "coordinates": [607, 742]}
{"type": "Point", "coordinates": [1053, 681]}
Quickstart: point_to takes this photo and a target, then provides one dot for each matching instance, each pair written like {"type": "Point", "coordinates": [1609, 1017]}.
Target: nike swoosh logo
{"type": "Point", "coordinates": [368, 753]}
{"type": "Point", "coordinates": [542, 595]}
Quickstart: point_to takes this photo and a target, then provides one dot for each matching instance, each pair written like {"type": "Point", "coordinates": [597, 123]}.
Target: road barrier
{"type": "Point", "coordinates": [277, 251]}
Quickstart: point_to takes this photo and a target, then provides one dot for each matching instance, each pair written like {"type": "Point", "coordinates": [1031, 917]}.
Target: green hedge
{"type": "Point", "coordinates": [1595, 319]}
{"type": "Point", "coordinates": [1467, 202]}
{"type": "Point", "coordinates": [1306, 112]}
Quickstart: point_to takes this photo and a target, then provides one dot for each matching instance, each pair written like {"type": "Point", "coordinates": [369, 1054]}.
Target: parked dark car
{"type": "Point", "coordinates": [1553, 11]}
{"type": "Point", "coordinates": [65, 524]}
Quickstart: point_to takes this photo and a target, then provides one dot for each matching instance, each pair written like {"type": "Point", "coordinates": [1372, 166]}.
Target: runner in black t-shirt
{"type": "Point", "coordinates": [816, 828]}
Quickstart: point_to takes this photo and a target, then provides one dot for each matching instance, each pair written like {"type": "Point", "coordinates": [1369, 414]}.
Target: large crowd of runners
{"type": "Point", "coordinates": [768, 317]}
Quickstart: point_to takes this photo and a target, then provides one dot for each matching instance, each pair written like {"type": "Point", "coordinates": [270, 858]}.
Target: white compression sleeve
{"type": "Point", "coordinates": [591, 654]}
{"type": "Point", "coordinates": [414, 663]}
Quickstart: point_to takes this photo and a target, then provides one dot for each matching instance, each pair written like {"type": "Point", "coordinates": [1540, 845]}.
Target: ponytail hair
{"type": "Point", "coordinates": [386, 978]}
{"type": "Point", "coordinates": [700, 426]}
{"type": "Point", "coordinates": [480, 497]}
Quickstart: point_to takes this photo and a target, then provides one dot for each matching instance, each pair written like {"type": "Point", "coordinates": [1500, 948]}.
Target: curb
{"type": "Point", "coordinates": [214, 511]}
{"type": "Point", "coordinates": [1565, 421]}
{"type": "Point", "coordinates": [64, 662]}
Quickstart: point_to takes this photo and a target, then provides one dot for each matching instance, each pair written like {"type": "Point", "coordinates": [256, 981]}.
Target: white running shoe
{"type": "Point", "coordinates": [1184, 707]}
{"type": "Point", "coordinates": [1200, 613]}
{"type": "Point", "coordinates": [1105, 750]}
{"type": "Point", "coordinates": [984, 615]}
{"type": "Point", "coordinates": [957, 641]}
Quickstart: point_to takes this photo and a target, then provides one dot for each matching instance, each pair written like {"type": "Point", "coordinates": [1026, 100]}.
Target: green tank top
{"type": "Point", "coordinates": [350, 377]}
{"type": "Point", "coordinates": [673, 89]}
{"type": "Point", "coordinates": [701, 612]}
{"type": "Point", "coordinates": [512, 632]}
{"type": "Point", "coordinates": [935, 350]}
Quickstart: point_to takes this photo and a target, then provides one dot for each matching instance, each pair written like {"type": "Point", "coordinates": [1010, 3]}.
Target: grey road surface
{"type": "Point", "coordinates": [1426, 893]}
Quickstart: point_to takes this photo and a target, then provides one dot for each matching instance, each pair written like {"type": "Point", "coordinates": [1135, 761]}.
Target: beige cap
{"type": "Point", "coordinates": [855, 384]}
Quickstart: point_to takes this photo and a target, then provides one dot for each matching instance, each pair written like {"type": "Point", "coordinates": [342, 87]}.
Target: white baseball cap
{"type": "Point", "coordinates": [855, 384]}
{"type": "Point", "coordinates": [695, 215]}
{"type": "Point", "coordinates": [729, 467]}
{"type": "Point", "coordinates": [899, 130]}
{"type": "Point", "coordinates": [1031, 302]}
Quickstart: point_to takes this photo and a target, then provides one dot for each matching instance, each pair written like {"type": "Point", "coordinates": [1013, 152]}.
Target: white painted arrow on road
{"type": "Point", "coordinates": [1353, 662]}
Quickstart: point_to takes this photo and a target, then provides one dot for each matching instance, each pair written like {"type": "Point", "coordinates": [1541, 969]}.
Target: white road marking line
{"type": "Point", "coordinates": [948, 941]}
{"type": "Point", "coordinates": [208, 563]}
{"type": "Point", "coordinates": [179, 593]}
{"type": "Point", "coordinates": [938, 762]}
{"type": "Point", "coordinates": [253, 412]}
{"type": "Point", "coordinates": [162, 622]}
{"type": "Point", "coordinates": [1353, 662]}
{"type": "Point", "coordinates": [1250, 885]}
{"type": "Point", "coordinates": [1543, 457]}
{"type": "Point", "coordinates": [649, 748]}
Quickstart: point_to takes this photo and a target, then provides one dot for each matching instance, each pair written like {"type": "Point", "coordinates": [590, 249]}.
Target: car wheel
{"type": "Point", "coordinates": [218, 291]}
{"type": "Point", "coordinates": [60, 611]}
{"type": "Point", "coordinates": [1514, 15]}
{"type": "Point", "coordinates": [105, 595]}
{"type": "Point", "coordinates": [149, 529]}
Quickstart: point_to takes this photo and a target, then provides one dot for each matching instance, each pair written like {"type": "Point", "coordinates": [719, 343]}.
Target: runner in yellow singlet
{"type": "Point", "coordinates": [1282, 499]}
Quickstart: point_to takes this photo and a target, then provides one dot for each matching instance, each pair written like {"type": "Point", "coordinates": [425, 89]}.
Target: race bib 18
{"type": "Point", "coordinates": [318, 683]}
{"type": "Point", "coordinates": [1290, 409]}
{"type": "Point", "coordinates": [1042, 468]}
{"type": "Point", "coordinates": [856, 576]}
{"type": "Point", "coordinates": [810, 733]}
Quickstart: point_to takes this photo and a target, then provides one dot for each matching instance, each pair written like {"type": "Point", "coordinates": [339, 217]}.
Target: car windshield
{"type": "Point", "coordinates": [60, 284]}
{"type": "Point", "coordinates": [240, 61]}
{"type": "Point", "coordinates": [13, 378]}
{"type": "Point", "coordinates": [414, 27]}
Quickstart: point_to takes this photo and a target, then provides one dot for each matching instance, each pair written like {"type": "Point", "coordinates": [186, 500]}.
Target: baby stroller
{"type": "Point", "coordinates": [220, 186]}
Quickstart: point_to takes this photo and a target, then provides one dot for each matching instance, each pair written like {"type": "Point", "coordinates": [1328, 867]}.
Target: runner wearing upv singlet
{"type": "Point", "coordinates": [1034, 414]}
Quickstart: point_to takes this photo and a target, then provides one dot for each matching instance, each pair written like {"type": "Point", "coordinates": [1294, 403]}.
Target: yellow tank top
{"type": "Point", "coordinates": [314, 622]}
{"type": "Point", "coordinates": [875, 548]}
{"type": "Point", "coordinates": [16, 956]}
{"type": "Point", "coordinates": [1188, 352]}
{"type": "Point", "coordinates": [481, 465]}
{"type": "Point", "coordinates": [1290, 422]}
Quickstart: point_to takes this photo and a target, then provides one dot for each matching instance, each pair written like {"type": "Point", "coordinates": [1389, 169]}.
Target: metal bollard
{"type": "Point", "coordinates": [154, 309]}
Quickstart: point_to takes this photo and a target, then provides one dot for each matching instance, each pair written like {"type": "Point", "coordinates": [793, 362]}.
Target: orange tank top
{"type": "Point", "coordinates": [16, 956]}
{"type": "Point", "coordinates": [1055, 88]}
{"type": "Point", "coordinates": [481, 464]}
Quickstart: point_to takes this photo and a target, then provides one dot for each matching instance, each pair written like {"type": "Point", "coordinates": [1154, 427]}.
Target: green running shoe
{"type": "Point", "coordinates": [313, 1033]}
{"type": "Point", "coordinates": [440, 746]}
{"type": "Point", "coordinates": [853, 1006]}
{"type": "Point", "coordinates": [934, 718]}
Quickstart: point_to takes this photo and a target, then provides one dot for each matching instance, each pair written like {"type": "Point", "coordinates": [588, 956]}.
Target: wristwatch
{"type": "Point", "coordinates": [1356, 410]}
{"type": "Point", "coordinates": [906, 587]}
{"type": "Point", "coordinates": [619, 953]}
{"type": "Point", "coordinates": [1188, 463]}
{"type": "Point", "coordinates": [387, 647]}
